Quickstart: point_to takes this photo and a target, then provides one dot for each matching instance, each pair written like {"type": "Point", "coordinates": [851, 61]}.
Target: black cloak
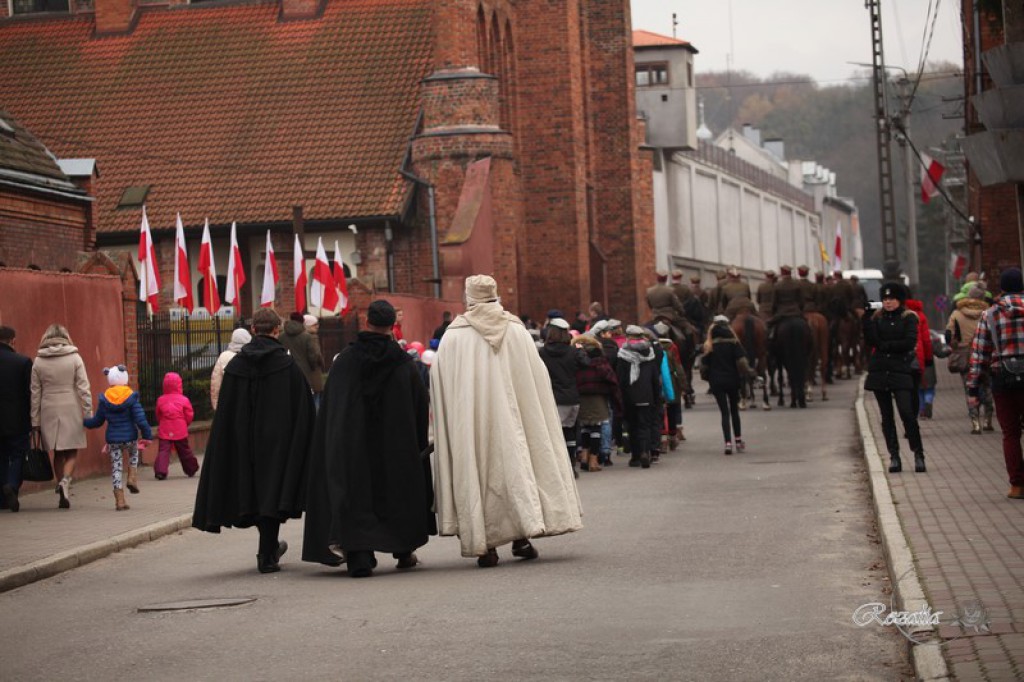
{"type": "Point", "coordinates": [369, 487]}
{"type": "Point", "coordinates": [256, 461]}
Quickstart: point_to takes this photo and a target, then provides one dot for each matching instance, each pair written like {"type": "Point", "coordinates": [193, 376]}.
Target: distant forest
{"type": "Point", "coordinates": [833, 126]}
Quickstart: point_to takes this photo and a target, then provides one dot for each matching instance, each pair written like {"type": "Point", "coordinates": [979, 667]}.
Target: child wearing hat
{"type": "Point", "coordinates": [121, 410]}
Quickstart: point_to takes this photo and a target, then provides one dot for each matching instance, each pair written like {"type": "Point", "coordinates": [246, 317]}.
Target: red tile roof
{"type": "Point", "coordinates": [225, 111]}
{"type": "Point", "coordinates": [649, 39]}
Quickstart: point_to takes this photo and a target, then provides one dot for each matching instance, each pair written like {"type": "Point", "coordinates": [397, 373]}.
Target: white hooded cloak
{"type": "Point", "coordinates": [502, 469]}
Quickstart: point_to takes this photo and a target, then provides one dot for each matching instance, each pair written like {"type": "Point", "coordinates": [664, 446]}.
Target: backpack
{"type": "Point", "coordinates": [1011, 369]}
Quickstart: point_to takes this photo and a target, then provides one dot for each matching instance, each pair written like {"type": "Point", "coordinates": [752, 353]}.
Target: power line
{"type": "Point", "coordinates": [938, 186]}
{"type": "Point", "coordinates": [935, 75]}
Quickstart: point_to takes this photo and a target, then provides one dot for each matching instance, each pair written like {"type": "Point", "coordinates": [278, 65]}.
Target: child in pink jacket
{"type": "Point", "coordinates": [174, 413]}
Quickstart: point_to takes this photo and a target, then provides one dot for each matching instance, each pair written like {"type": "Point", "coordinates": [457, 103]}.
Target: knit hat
{"type": "Point", "coordinates": [295, 317]}
{"type": "Point", "coordinates": [428, 357]}
{"type": "Point", "coordinates": [1011, 281]}
{"type": "Point", "coordinates": [720, 319]}
{"type": "Point", "coordinates": [239, 338]}
{"type": "Point", "coordinates": [893, 290]}
{"type": "Point", "coordinates": [976, 292]}
{"type": "Point", "coordinates": [381, 314]}
{"type": "Point", "coordinates": [598, 327]}
{"type": "Point", "coordinates": [635, 330]}
{"type": "Point", "coordinates": [559, 322]}
{"type": "Point", "coordinates": [481, 289]}
{"type": "Point", "coordinates": [117, 375]}
{"type": "Point", "coordinates": [554, 314]}
{"type": "Point", "coordinates": [612, 324]}
{"type": "Point", "coordinates": [309, 320]}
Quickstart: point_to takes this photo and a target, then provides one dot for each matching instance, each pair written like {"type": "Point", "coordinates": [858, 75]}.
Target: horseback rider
{"type": "Point", "coordinates": [663, 302]}
{"type": "Point", "coordinates": [788, 299]}
{"type": "Point", "coordinates": [821, 293]}
{"type": "Point", "coordinates": [808, 290]}
{"type": "Point", "coordinates": [733, 288]}
{"type": "Point", "coordinates": [715, 296]}
{"type": "Point", "coordinates": [679, 288]}
{"type": "Point", "coordinates": [766, 295]}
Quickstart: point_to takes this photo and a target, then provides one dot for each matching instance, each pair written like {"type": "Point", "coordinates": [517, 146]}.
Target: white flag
{"type": "Point", "coordinates": [149, 279]}
{"type": "Point", "coordinates": [270, 276]}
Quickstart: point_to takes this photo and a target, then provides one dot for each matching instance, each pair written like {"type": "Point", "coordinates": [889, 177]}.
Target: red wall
{"type": "Point", "coordinates": [90, 307]}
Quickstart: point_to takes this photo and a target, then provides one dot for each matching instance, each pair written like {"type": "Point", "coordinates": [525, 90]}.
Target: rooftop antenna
{"type": "Point", "coordinates": [675, 22]}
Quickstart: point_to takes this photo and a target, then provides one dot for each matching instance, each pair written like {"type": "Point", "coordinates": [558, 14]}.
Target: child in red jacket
{"type": "Point", "coordinates": [174, 413]}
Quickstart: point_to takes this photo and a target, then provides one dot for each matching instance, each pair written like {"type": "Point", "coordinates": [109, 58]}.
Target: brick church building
{"type": "Point", "coordinates": [429, 139]}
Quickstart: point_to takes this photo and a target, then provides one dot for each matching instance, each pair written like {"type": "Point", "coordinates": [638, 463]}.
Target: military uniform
{"type": "Point", "coordinates": [732, 289]}
{"type": "Point", "coordinates": [809, 293]}
{"type": "Point", "coordinates": [766, 297]}
{"type": "Point", "coordinates": [788, 298]}
{"type": "Point", "coordinates": [664, 303]}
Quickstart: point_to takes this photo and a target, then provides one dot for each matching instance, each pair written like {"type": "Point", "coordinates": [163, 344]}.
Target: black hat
{"type": "Point", "coordinates": [381, 314]}
{"type": "Point", "coordinates": [893, 290]}
{"type": "Point", "coordinates": [1011, 281]}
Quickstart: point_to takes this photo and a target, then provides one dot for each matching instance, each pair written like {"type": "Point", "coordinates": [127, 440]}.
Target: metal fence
{"type": "Point", "coordinates": [190, 346]}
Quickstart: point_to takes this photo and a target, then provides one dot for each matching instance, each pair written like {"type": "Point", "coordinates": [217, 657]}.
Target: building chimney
{"type": "Point", "coordinates": [776, 147]}
{"type": "Point", "coordinates": [114, 17]}
{"type": "Point", "coordinates": [292, 10]}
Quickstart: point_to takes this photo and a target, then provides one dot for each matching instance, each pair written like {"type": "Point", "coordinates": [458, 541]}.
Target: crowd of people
{"type": "Point", "coordinates": [482, 434]}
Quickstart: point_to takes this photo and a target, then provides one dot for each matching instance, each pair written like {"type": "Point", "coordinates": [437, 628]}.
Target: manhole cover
{"type": "Point", "coordinates": [197, 604]}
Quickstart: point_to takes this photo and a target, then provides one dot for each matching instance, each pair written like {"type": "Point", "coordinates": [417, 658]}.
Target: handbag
{"type": "Point", "coordinates": [37, 466]}
{"type": "Point", "coordinates": [959, 357]}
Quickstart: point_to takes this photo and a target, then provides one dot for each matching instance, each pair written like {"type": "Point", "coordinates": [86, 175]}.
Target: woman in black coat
{"type": "Point", "coordinates": [562, 362]}
{"type": "Point", "coordinates": [722, 365]}
{"type": "Point", "coordinates": [891, 335]}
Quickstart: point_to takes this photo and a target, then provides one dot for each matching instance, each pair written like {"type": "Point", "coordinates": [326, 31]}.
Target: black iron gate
{"type": "Point", "coordinates": [188, 345]}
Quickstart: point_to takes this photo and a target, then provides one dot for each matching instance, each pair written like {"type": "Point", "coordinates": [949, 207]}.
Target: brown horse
{"type": "Point", "coordinates": [752, 332]}
{"type": "Point", "coordinates": [849, 344]}
{"type": "Point", "coordinates": [819, 356]}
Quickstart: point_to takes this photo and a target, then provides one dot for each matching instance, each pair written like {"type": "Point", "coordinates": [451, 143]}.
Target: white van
{"type": "Point", "coordinates": [872, 281]}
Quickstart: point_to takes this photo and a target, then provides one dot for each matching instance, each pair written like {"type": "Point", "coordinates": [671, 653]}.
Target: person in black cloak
{"type": "Point", "coordinates": [256, 465]}
{"type": "Point", "coordinates": [370, 485]}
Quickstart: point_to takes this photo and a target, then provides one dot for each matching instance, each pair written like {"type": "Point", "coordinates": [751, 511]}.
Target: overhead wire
{"type": "Point", "coordinates": [938, 185]}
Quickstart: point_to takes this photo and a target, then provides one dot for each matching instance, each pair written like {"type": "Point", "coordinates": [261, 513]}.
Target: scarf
{"type": "Point", "coordinates": [634, 354]}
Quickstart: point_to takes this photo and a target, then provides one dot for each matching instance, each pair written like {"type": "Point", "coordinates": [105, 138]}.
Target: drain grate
{"type": "Point", "coordinates": [197, 604]}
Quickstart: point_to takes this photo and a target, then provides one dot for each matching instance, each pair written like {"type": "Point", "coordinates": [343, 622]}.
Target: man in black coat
{"type": "Point", "coordinates": [256, 464]}
{"type": "Point", "coordinates": [15, 416]}
{"type": "Point", "coordinates": [370, 488]}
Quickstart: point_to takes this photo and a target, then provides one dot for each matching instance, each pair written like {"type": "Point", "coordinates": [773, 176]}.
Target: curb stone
{"type": "Point", "coordinates": [929, 663]}
{"type": "Point", "coordinates": [80, 556]}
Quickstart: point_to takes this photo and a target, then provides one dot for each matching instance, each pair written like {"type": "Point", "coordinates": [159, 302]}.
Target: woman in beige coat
{"type": "Point", "coordinates": [60, 401]}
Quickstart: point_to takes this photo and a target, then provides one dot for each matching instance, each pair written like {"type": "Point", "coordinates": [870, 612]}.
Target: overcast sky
{"type": "Point", "coordinates": [802, 36]}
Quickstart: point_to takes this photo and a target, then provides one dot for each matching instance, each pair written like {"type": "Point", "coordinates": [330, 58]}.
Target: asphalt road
{"type": "Point", "coordinates": [705, 567]}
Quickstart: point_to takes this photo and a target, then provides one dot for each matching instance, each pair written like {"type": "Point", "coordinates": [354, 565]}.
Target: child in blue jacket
{"type": "Point", "coordinates": [120, 408]}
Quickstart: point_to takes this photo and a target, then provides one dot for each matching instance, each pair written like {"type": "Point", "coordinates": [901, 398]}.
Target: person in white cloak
{"type": "Point", "coordinates": [501, 471]}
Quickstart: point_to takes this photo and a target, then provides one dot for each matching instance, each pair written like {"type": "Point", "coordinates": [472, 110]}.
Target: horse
{"type": "Point", "coordinates": [752, 332]}
{"type": "Point", "coordinates": [819, 358]}
{"type": "Point", "coordinates": [849, 345]}
{"type": "Point", "coordinates": [791, 346]}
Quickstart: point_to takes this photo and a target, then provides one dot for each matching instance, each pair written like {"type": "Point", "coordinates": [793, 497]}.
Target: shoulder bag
{"type": "Point", "coordinates": [37, 466]}
{"type": "Point", "coordinates": [960, 356]}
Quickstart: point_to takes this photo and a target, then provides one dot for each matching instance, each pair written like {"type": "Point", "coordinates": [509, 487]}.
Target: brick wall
{"type": "Point", "coordinates": [41, 231]}
{"type": "Point", "coordinates": [994, 208]}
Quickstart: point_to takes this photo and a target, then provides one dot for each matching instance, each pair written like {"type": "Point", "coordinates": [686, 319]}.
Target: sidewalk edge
{"type": "Point", "coordinates": [54, 564]}
{"type": "Point", "coordinates": [929, 663]}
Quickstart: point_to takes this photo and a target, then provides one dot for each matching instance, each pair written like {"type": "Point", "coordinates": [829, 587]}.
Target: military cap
{"type": "Point", "coordinates": [803, 270]}
{"type": "Point", "coordinates": [785, 270]}
{"type": "Point", "coordinates": [661, 275]}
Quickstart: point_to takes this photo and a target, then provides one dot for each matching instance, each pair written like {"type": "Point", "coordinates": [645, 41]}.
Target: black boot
{"type": "Point", "coordinates": [895, 464]}
{"type": "Point", "coordinates": [270, 562]}
{"type": "Point", "coordinates": [919, 463]}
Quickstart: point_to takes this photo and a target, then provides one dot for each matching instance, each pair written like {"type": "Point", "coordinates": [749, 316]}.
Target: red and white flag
{"type": "Point", "coordinates": [322, 291]}
{"type": "Point", "coordinates": [208, 269]}
{"type": "Point", "coordinates": [299, 277]}
{"type": "Point", "coordinates": [270, 276]}
{"type": "Point", "coordinates": [236, 274]}
{"type": "Point", "coordinates": [837, 252]}
{"type": "Point", "coordinates": [957, 265]}
{"type": "Point", "coordinates": [149, 278]}
{"type": "Point", "coordinates": [339, 279]}
{"type": "Point", "coordinates": [931, 173]}
{"type": "Point", "coordinates": [182, 272]}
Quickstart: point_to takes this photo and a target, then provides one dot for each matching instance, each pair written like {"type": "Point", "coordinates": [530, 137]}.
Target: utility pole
{"type": "Point", "coordinates": [890, 253]}
{"type": "Point", "coordinates": [909, 156]}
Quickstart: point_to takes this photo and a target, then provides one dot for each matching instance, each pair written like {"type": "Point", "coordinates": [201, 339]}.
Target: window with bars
{"type": "Point", "coordinates": [655, 73]}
